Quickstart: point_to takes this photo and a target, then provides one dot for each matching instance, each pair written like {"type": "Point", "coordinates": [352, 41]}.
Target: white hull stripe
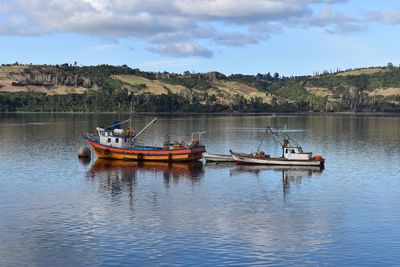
{"type": "Point", "coordinates": [272, 161]}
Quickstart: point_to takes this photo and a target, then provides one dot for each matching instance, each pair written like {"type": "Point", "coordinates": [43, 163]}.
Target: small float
{"type": "Point", "coordinates": [115, 142]}
{"type": "Point", "coordinates": [292, 155]}
{"type": "Point", "coordinates": [84, 153]}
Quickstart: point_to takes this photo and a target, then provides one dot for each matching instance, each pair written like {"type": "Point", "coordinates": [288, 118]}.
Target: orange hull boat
{"type": "Point", "coordinates": [147, 153]}
{"type": "Point", "coordinates": [115, 142]}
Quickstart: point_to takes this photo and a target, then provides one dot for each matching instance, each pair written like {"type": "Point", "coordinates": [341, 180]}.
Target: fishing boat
{"type": "Point", "coordinates": [292, 154]}
{"type": "Point", "coordinates": [115, 142]}
{"type": "Point", "coordinates": [218, 158]}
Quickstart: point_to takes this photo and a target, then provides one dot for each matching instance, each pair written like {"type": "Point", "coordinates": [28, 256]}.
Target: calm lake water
{"type": "Point", "coordinates": [58, 211]}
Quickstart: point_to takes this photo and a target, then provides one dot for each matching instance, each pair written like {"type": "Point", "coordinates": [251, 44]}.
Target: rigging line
{"type": "Point", "coordinates": [291, 139]}
{"type": "Point", "coordinates": [144, 116]}
{"type": "Point", "coordinates": [171, 119]}
{"type": "Point", "coordinates": [274, 135]}
{"type": "Point", "coordinates": [118, 123]}
{"type": "Point", "coordinates": [262, 139]}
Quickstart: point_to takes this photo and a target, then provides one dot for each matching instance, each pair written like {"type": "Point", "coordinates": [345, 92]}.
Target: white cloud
{"type": "Point", "coordinates": [385, 16]}
{"type": "Point", "coordinates": [183, 50]}
{"type": "Point", "coordinates": [172, 26]}
{"type": "Point", "coordinates": [240, 39]}
{"type": "Point", "coordinates": [246, 10]}
{"type": "Point", "coordinates": [335, 22]}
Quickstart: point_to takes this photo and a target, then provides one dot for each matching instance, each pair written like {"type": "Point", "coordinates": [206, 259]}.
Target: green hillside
{"type": "Point", "coordinates": [113, 88]}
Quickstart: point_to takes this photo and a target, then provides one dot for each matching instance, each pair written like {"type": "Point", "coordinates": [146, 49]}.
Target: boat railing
{"type": "Point", "coordinates": [197, 141]}
{"type": "Point", "coordinates": [93, 137]}
{"type": "Point", "coordinates": [133, 144]}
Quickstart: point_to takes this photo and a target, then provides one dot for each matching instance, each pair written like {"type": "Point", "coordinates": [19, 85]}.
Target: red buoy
{"type": "Point", "coordinates": [84, 152]}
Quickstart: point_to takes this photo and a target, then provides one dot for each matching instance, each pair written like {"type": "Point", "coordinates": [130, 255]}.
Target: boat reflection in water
{"type": "Point", "coordinates": [84, 161]}
{"type": "Point", "coordinates": [290, 174]}
{"type": "Point", "coordinates": [116, 174]}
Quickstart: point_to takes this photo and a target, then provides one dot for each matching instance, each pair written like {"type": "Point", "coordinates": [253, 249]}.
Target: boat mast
{"type": "Point", "coordinates": [291, 139]}
{"type": "Point", "coordinates": [147, 126]}
{"type": "Point", "coordinates": [274, 135]}
{"type": "Point", "coordinates": [130, 117]}
{"type": "Point", "coordinates": [262, 140]}
{"type": "Point", "coordinates": [277, 139]}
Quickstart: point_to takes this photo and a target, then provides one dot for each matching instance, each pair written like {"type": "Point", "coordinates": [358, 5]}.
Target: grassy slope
{"type": "Point", "coordinates": [224, 91]}
{"type": "Point", "coordinates": [361, 71]}
{"type": "Point", "coordinates": [6, 80]}
{"type": "Point", "coordinates": [391, 91]}
{"type": "Point", "coordinates": [152, 86]}
{"type": "Point", "coordinates": [319, 91]}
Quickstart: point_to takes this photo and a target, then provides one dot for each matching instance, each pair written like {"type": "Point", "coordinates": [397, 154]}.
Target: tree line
{"type": "Point", "coordinates": [286, 94]}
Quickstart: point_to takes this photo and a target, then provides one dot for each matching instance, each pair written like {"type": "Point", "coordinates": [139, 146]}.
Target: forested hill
{"type": "Point", "coordinates": [106, 88]}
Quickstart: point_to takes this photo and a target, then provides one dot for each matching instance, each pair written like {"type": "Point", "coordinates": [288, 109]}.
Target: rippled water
{"type": "Point", "coordinates": [58, 211]}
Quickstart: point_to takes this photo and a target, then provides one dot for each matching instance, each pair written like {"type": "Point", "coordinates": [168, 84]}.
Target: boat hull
{"type": "Point", "coordinates": [250, 159]}
{"type": "Point", "coordinates": [152, 154]}
{"type": "Point", "coordinates": [218, 158]}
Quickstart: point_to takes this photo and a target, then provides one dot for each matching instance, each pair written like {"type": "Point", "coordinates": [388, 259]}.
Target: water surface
{"type": "Point", "coordinates": [58, 211]}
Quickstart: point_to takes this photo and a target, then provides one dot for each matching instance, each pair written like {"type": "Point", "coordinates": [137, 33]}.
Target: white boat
{"type": "Point", "coordinates": [283, 161]}
{"type": "Point", "coordinates": [218, 158]}
{"type": "Point", "coordinates": [292, 155]}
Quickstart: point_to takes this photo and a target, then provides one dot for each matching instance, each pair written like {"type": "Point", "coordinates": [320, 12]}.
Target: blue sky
{"type": "Point", "coordinates": [231, 36]}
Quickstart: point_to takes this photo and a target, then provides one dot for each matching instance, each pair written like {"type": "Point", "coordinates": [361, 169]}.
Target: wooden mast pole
{"type": "Point", "coordinates": [130, 117]}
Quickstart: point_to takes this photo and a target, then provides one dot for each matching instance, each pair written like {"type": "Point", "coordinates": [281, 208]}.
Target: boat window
{"type": "Point", "coordinates": [109, 140]}
{"type": "Point", "coordinates": [116, 140]}
{"type": "Point", "coordinates": [293, 151]}
{"type": "Point", "coordinates": [286, 150]}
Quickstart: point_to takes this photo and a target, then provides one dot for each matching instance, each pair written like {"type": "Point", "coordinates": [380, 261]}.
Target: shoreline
{"type": "Point", "coordinates": [213, 113]}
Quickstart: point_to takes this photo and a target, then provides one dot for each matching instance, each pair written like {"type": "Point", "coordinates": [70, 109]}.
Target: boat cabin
{"type": "Point", "coordinates": [296, 153]}
{"type": "Point", "coordinates": [115, 138]}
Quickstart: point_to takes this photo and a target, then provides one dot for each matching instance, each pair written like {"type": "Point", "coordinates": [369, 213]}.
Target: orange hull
{"type": "Point", "coordinates": [156, 154]}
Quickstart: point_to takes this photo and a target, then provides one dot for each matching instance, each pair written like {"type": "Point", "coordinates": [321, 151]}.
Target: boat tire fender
{"type": "Point", "coordinates": [169, 157]}
{"type": "Point", "coordinates": [106, 151]}
{"type": "Point", "coordinates": [140, 157]}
